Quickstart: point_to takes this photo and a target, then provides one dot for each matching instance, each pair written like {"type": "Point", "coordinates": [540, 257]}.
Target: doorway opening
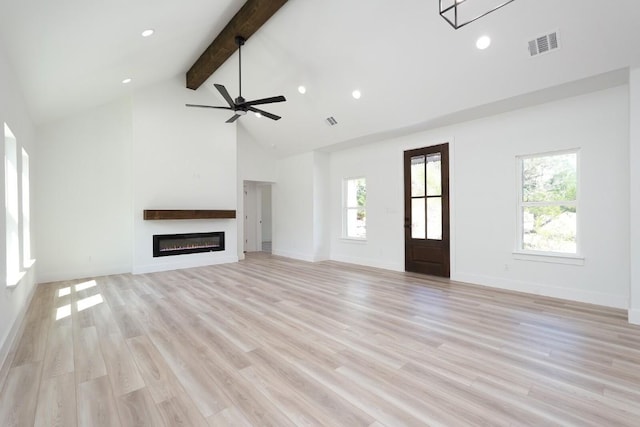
{"type": "Point", "coordinates": [258, 216]}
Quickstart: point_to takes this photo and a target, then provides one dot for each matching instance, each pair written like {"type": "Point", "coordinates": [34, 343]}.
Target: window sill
{"type": "Point", "coordinates": [15, 281]}
{"type": "Point", "coordinates": [353, 240]}
{"type": "Point", "coordinates": [549, 258]}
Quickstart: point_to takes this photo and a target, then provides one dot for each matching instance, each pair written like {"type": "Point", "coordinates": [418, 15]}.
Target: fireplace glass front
{"type": "Point", "coordinates": [179, 244]}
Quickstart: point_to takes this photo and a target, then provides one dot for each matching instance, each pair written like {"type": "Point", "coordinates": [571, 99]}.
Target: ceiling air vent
{"type": "Point", "coordinates": [543, 44]}
{"type": "Point", "coordinates": [332, 121]}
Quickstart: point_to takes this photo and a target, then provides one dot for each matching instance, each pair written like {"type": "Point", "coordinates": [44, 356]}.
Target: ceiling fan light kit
{"type": "Point", "coordinates": [459, 13]}
{"type": "Point", "coordinates": [240, 106]}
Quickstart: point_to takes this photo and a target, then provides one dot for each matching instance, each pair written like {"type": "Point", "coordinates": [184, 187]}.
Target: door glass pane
{"type": "Point", "coordinates": [434, 175]}
{"type": "Point", "coordinates": [417, 176]}
{"type": "Point", "coordinates": [418, 219]}
{"type": "Point", "coordinates": [434, 218]}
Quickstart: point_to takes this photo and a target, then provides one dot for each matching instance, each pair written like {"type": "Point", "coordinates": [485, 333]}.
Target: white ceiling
{"type": "Point", "coordinates": [413, 69]}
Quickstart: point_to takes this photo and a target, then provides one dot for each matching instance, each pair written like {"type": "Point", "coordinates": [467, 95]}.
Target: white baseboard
{"type": "Point", "coordinates": [294, 255]}
{"type": "Point", "coordinates": [57, 276]}
{"type": "Point", "coordinates": [154, 268]}
{"type": "Point", "coordinates": [571, 294]}
{"type": "Point", "coordinates": [634, 316]}
{"type": "Point", "coordinates": [369, 262]}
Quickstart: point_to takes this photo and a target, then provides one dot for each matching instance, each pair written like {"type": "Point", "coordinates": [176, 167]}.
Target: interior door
{"type": "Point", "coordinates": [426, 210]}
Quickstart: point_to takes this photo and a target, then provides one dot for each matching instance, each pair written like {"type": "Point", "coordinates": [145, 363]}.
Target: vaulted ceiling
{"type": "Point", "coordinates": [413, 69]}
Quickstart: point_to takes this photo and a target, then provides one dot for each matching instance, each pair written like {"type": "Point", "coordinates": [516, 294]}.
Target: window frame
{"type": "Point", "coordinates": [13, 247]}
{"type": "Point", "coordinates": [346, 208]}
{"type": "Point", "coordinates": [25, 209]}
{"type": "Point", "coordinates": [18, 231]}
{"type": "Point", "coordinates": [547, 256]}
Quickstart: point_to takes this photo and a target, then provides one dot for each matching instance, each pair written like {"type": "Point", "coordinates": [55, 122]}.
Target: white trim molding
{"type": "Point", "coordinates": [570, 294]}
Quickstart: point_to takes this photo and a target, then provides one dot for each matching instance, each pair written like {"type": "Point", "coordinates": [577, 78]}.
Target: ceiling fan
{"type": "Point", "coordinates": [240, 106]}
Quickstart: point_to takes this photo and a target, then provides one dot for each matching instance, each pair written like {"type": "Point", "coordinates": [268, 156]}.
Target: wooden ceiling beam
{"type": "Point", "coordinates": [252, 15]}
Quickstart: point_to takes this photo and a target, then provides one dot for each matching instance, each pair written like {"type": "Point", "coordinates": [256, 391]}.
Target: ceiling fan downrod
{"type": "Point", "coordinates": [240, 42]}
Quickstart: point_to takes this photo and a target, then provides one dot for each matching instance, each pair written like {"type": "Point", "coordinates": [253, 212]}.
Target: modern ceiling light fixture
{"type": "Point", "coordinates": [459, 13]}
{"type": "Point", "coordinates": [147, 33]}
{"type": "Point", "coordinates": [302, 89]}
{"type": "Point", "coordinates": [126, 81]}
{"type": "Point", "coordinates": [240, 106]}
{"type": "Point", "coordinates": [356, 94]}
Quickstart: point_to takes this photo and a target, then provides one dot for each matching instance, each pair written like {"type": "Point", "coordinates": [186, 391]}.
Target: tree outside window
{"type": "Point", "coordinates": [548, 203]}
{"type": "Point", "coordinates": [355, 211]}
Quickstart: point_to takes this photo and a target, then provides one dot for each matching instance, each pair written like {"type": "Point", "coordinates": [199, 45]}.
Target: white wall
{"type": "Point", "coordinates": [184, 158]}
{"type": "Point", "coordinates": [15, 300]}
{"type": "Point", "coordinates": [301, 207]}
{"type": "Point", "coordinates": [634, 193]}
{"type": "Point", "coordinates": [293, 234]}
{"type": "Point", "coordinates": [321, 210]}
{"type": "Point", "coordinates": [483, 196]}
{"type": "Point", "coordinates": [84, 193]}
{"type": "Point", "coordinates": [255, 163]}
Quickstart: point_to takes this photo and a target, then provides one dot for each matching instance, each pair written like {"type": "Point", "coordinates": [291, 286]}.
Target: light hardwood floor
{"type": "Point", "coordinates": [275, 342]}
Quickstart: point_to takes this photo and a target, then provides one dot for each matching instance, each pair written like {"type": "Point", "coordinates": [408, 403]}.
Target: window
{"type": "Point", "coordinates": [355, 210]}
{"type": "Point", "coordinates": [11, 207]}
{"type": "Point", "coordinates": [548, 203]}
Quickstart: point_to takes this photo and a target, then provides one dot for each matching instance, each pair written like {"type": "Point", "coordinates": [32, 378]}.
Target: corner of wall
{"type": "Point", "coordinates": [634, 195]}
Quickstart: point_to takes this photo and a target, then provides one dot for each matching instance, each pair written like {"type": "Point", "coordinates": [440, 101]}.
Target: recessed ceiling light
{"type": "Point", "coordinates": [127, 80]}
{"type": "Point", "coordinates": [302, 89]}
{"type": "Point", "coordinates": [356, 94]}
{"type": "Point", "coordinates": [483, 42]}
{"type": "Point", "coordinates": [258, 115]}
{"type": "Point", "coordinates": [147, 33]}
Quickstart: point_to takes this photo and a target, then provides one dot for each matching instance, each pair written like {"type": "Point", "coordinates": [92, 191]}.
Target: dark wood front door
{"type": "Point", "coordinates": [426, 210]}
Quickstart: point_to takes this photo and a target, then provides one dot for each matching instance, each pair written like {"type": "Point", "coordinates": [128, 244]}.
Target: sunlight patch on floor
{"type": "Point", "coordinates": [64, 311]}
{"type": "Point", "coordinates": [85, 285]}
{"type": "Point", "coordinates": [89, 302]}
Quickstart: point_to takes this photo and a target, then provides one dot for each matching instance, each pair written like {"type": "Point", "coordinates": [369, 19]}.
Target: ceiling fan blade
{"type": "Point", "coordinates": [264, 113]}
{"type": "Point", "coordinates": [208, 106]}
{"type": "Point", "coordinates": [265, 101]}
{"type": "Point", "coordinates": [233, 119]}
{"type": "Point", "coordinates": [225, 94]}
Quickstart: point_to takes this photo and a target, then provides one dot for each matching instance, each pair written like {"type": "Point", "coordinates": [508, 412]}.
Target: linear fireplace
{"type": "Point", "coordinates": [179, 244]}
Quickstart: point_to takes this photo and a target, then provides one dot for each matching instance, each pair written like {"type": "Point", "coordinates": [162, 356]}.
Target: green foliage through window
{"type": "Point", "coordinates": [548, 206]}
{"type": "Point", "coordinates": [355, 213]}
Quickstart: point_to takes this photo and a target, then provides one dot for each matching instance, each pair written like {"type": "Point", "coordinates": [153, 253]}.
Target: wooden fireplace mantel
{"type": "Point", "coordinates": [152, 214]}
